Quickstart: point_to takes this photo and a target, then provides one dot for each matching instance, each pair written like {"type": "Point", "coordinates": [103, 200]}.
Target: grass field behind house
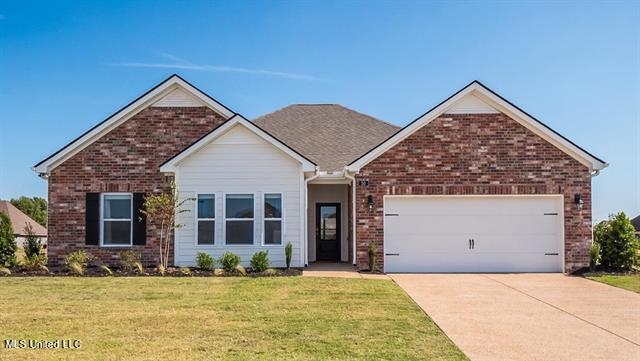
{"type": "Point", "coordinates": [628, 282]}
{"type": "Point", "coordinates": [153, 318]}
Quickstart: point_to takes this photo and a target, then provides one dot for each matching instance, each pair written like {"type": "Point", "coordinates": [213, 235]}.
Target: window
{"type": "Point", "coordinates": [206, 219]}
{"type": "Point", "coordinates": [239, 219]}
{"type": "Point", "coordinates": [272, 218]}
{"type": "Point", "coordinates": [116, 212]}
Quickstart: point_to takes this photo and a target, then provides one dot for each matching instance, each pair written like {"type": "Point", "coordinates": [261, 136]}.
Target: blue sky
{"type": "Point", "coordinates": [64, 66]}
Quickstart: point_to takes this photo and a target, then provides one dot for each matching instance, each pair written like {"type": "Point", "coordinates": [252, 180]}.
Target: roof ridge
{"type": "Point", "coordinates": [370, 116]}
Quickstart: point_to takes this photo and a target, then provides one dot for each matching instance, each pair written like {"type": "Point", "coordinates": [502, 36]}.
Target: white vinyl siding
{"type": "Point", "coordinates": [240, 162]}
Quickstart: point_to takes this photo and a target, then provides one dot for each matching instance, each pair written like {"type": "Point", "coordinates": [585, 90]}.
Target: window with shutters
{"type": "Point", "coordinates": [116, 219]}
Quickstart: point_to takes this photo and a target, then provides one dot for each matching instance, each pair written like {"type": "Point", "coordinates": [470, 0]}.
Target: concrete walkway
{"type": "Point", "coordinates": [337, 270]}
{"type": "Point", "coordinates": [530, 316]}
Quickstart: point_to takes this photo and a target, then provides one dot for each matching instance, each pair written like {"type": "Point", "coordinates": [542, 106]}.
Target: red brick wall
{"type": "Point", "coordinates": [127, 159]}
{"type": "Point", "coordinates": [476, 154]}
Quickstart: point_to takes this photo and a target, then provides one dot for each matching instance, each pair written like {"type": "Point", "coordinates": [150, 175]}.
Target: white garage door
{"type": "Point", "coordinates": [473, 234]}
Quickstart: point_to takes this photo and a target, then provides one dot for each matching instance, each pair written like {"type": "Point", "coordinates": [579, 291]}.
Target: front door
{"type": "Point", "coordinates": [328, 231]}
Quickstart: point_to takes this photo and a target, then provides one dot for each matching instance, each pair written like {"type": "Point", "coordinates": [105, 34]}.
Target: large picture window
{"type": "Point", "coordinates": [272, 218]}
{"type": "Point", "coordinates": [239, 219]}
{"type": "Point", "coordinates": [116, 212]}
{"type": "Point", "coordinates": [206, 219]}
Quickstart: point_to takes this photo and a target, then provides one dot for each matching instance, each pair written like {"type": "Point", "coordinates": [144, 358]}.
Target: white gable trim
{"type": "Point", "coordinates": [158, 92]}
{"type": "Point", "coordinates": [172, 164]}
{"type": "Point", "coordinates": [471, 104]}
{"type": "Point", "coordinates": [483, 93]}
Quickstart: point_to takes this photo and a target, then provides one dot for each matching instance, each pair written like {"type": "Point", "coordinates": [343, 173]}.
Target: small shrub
{"type": "Point", "coordinates": [128, 260]}
{"type": "Point", "coordinates": [594, 255]}
{"type": "Point", "coordinates": [185, 271]}
{"type": "Point", "coordinates": [270, 272]}
{"type": "Point", "coordinates": [77, 261]}
{"type": "Point", "coordinates": [205, 261]}
{"type": "Point", "coordinates": [5, 271]}
{"type": "Point", "coordinates": [7, 242]}
{"type": "Point", "coordinates": [372, 256]}
{"type": "Point", "coordinates": [161, 269]}
{"type": "Point", "coordinates": [76, 268]}
{"type": "Point", "coordinates": [106, 269]}
{"type": "Point", "coordinates": [32, 245]}
{"type": "Point", "coordinates": [35, 262]}
{"type": "Point", "coordinates": [218, 272]}
{"type": "Point", "coordinates": [260, 261]}
{"type": "Point", "coordinates": [288, 252]}
{"type": "Point", "coordinates": [618, 242]}
{"type": "Point", "coordinates": [241, 270]}
{"type": "Point", "coordinates": [229, 261]}
{"type": "Point", "coordinates": [139, 268]}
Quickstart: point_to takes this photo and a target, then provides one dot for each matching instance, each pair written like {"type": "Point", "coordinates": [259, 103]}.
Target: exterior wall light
{"type": "Point", "coordinates": [370, 202]}
{"type": "Point", "coordinates": [577, 199]}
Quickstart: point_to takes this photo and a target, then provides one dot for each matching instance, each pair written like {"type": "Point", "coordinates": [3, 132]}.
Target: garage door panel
{"type": "Point", "coordinates": [416, 242]}
{"type": "Point", "coordinates": [479, 223]}
{"type": "Point", "coordinates": [511, 234]}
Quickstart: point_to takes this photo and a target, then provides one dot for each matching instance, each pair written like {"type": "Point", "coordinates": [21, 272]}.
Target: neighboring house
{"type": "Point", "coordinates": [473, 185]}
{"type": "Point", "coordinates": [636, 224]}
{"type": "Point", "coordinates": [19, 221]}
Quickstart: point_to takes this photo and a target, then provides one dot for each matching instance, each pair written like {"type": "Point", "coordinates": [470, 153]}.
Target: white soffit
{"type": "Point", "coordinates": [178, 98]}
{"type": "Point", "coordinates": [471, 104]}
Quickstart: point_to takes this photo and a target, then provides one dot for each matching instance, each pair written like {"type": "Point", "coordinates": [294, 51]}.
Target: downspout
{"type": "Point", "coordinates": [306, 216]}
{"type": "Point", "coordinates": [353, 212]}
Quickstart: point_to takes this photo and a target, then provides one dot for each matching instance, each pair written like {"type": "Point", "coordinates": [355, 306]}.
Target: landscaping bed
{"type": "Point", "coordinates": [148, 272]}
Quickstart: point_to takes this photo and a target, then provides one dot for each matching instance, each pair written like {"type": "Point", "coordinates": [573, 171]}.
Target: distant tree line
{"type": "Point", "coordinates": [35, 208]}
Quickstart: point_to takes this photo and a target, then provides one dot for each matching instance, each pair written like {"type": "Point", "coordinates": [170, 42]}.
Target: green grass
{"type": "Point", "coordinates": [628, 282]}
{"type": "Point", "coordinates": [152, 318]}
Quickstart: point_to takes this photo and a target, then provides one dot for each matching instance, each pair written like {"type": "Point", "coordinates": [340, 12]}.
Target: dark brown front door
{"type": "Point", "coordinates": [328, 231]}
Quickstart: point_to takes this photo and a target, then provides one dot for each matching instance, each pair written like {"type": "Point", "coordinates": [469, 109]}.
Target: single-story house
{"type": "Point", "coordinates": [19, 222]}
{"type": "Point", "coordinates": [636, 224]}
{"type": "Point", "coordinates": [475, 184]}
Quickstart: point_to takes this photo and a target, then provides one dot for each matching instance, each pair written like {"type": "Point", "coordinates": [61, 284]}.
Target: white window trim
{"type": "Point", "coordinates": [225, 219]}
{"type": "Point", "coordinates": [102, 220]}
{"type": "Point", "coordinates": [214, 219]}
{"type": "Point", "coordinates": [265, 219]}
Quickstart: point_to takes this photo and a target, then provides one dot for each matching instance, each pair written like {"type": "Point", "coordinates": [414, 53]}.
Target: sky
{"type": "Point", "coordinates": [65, 66]}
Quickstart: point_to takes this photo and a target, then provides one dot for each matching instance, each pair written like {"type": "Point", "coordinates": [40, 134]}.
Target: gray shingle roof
{"type": "Point", "coordinates": [330, 135]}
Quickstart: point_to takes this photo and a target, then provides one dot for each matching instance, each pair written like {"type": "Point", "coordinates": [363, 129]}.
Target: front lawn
{"type": "Point", "coordinates": [292, 318]}
{"type": "Point", "coordinates": [628, 282]}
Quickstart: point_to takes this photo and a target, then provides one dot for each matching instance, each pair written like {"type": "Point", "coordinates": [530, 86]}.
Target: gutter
{"type": "Point", "coordinates": [306, 216]}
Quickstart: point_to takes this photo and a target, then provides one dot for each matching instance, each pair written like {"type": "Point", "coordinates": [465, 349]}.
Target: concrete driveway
{"type": "Point", "coordinates": [530, 316]}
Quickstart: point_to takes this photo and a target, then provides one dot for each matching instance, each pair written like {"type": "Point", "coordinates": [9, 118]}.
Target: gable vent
{"type": "Point", "coordinates": [470, 104]}
{"type": "Point", "coordinates": [178, 98]}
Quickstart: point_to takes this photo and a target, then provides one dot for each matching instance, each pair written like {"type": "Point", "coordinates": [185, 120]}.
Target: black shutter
{"type": "Point", "coordinates": [139, 220]}
{"type": "Point", "coordinates": [92, 219]}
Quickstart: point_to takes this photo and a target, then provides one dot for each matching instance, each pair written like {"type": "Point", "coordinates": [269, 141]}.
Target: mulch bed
{"type": "Point", "coordinates": [152, 272]}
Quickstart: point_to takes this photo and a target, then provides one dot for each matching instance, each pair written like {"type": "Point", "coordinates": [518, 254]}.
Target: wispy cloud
{"type": "Point", "coordinates": [174, 62]}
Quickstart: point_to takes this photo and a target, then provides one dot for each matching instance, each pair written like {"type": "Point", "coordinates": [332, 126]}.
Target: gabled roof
{"type": "Point", "coordinates": [636, 223]}
{"type": "Point", "coordinates": [169, 85]}
{"type": "Point", "coordinates": [478, 90]}
{"type": "Point", "coordinates": [19, 220]}
{"type": "Point", "coordinates": [170, 165]}
{"type": "Point", "coordinates": [329, 134]}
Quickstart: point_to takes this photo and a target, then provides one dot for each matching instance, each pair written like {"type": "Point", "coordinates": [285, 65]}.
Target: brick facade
{"type": "Point", "coordinates": [127, 159]}
{"type": "Point", "coordinates": [458, 154]}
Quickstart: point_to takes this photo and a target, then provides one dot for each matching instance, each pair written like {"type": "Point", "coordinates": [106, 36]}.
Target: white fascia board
{"type": "Point", "coordinates": [172, 165]}
{"type": "Point", "coordinates": [499, 103]}
{"type": "Point", "coordinates": [125, 114]}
